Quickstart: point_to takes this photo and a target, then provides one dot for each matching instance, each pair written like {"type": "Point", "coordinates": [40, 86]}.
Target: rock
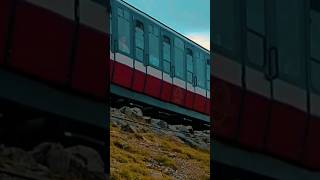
{"type": "Point", "coordinates": [132, 112]}
{"type": "Point", "coordinates": [18, 156]}
{"type": "Point", "coordinates": [172, 127]}
{"type": "Point", "coordinates": [181, 128]}
{"type": "Point", "coordinates": [129, 128]}
{"type": "Point", "coordinates": [159, 123]}
{"type": "Point", "coordinates": [57, 159]}
{"type": "Point", "coordinates": [137, 112]}
{"type": "Point", "coordinates": [118, 122]}
{"type": "Point", "coordinates": [181, 136]}
{"type": "Point", "coordinates": [147, 119]}
{"type": "Point", "coordinates": [89, 157]}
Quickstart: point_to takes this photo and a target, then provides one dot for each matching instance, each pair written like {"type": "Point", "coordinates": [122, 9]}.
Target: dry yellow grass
{"type": "Point", "coordinates": [132, 154]}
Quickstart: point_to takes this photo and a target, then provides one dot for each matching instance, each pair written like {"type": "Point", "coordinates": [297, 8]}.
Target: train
{"type": "Point", "coordinates": [153, 65]}
{"type": "Point", "coordinates": [266, 87]}
{"type": "Point", "coordinates": [53, 66]}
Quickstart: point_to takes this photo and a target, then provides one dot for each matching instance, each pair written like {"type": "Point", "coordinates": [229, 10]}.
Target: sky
{"type": "Point", "coordinates": [188, 17]}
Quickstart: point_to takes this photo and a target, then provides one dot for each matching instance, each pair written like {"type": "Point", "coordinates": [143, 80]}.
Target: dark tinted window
{"type": "Point", "coordinates": [255, 15]}
{"type": "Point", "coordinates": [139, 41]}
{"type": "Point", "coordinates": [166, 50]}
{"type": "Point", "coordinates": [200, 70]}
{"type": "Point", "coordinates": [178, 58]}
{"type": "Point", "coordinates": [315, 34]}
{"type": "Point", "coordinates": [208, 74]}
{"type": "Point", "coordinates": [224, 23]}
{"type": "Point", "coordinates": [124, 40]}
{"type": "Point", "coordinates": [315, 75]}
{"type": "Point", "coordinates": [154, 46]}
{"type": "Point", "coordinates": [189, 57]}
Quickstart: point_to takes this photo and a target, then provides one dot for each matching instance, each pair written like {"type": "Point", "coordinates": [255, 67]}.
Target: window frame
{"type": "Point", "coordinates": [167, 34]}
{"type": "Point", "coordinates": [203, 55]}
{"type": "Point", "coordinates": [192, 49]}
{"type": "Point", "coordinates": [142, 20]}
{"type": "Point", "coordinates": [208, 66]}
{"type": "Point", "coordinates": [111, 29]}
{"type": "Point", "coordinates": [183, 59]}
{"type": "Point", "coordinates": [148, 24]}
{"type": "Point", "coordinates": [116, 33]}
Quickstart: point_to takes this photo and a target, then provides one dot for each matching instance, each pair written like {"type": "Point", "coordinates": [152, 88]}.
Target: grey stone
{"type": "Point", "coordinates": [129, 128]}
{"type": "Point", "coordinates": [137, 112]}
{"type": "Point", "coordinates": [89, 157]}
{"type": "Point", "coordinates": [132, 112]}
{"type": "Point", "coordinates": [19, 157]}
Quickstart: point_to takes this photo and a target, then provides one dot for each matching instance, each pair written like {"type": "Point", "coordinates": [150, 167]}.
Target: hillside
{"type": "Point", "coordinates": [146, 148]}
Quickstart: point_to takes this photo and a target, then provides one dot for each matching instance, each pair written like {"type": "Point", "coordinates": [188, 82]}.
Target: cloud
{"type": "Point", "coordinates": [201, 38]}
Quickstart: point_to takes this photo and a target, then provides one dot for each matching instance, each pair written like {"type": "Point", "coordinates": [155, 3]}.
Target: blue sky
{"type": "Point", "coordinates": [189, 17]}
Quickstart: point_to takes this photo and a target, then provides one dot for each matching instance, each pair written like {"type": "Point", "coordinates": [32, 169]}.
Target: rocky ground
{"type": "Point", "coordinates": [51, 161]}
{"type": "Point", "coordinates": [146, 148]}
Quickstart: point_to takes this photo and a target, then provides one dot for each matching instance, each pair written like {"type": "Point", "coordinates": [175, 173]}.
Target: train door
{"type": "Point", "coordinates": [200, 82]}
{"type": "Point", "coordinates": [167, 65]}
{"type": "Point", "coordinates": [190, 76]}
{"type": "Point", "coordinates": [123, 61]}
{"type": "Point", "coordinates": [226, 67]}
{"type": "Point", "coordinates": [139, 53]}
{"type": "Point", "coordinates": [315, 57]}
{"type": "Point", "coordinates": [311, 157]}
{"type": "Point", "coordinates": [178, 68]}
{"type": "Point", "coordinates": [111, 42]}
{"type": "Point", "coordinates": [286, 59]}
{"type": "Point", "coordinates": [257, 99]}
{"type": "Point", "coordinates": [208, 67]}
{"type": "Point", "coordinates": [154, 74]}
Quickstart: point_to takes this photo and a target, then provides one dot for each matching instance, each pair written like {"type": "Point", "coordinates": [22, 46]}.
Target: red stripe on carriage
{"type": "Point", "coordinates": [166, 91]}
{"type": "Point", "coordinates": [5, 11]}
{"type": "Point", "coordinates": [311, 155]}
{"type": "Point", "coordinates": [287, 129]}
{"type": "Point", "coordinates": [90, 68]}
{"type": "Point", "coordinates": [254, 121]}
{"type": "Point", "coordinates": [41, 43]}
{"type": "Point", "coordinates": [199, 103]}
{"type": "Point", "coordinates": [138, 81]}
{"type": "Point", "coordinates": [122, 75]}
{"type": "Point", "coordinates": [225, 108]}
{"type": "Point", "coordinates": [178, 95]}
{"type": "Point", "coordinates": [189, 99]}
{"type": "Point", "coordinates": [152, 86]}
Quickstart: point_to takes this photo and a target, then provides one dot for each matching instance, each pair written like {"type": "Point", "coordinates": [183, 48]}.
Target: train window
{"type": "Point", "coordinates": [255, 49]}
{"type": "Point", "coordinates": [200, 70]}
{"type": "Point", "coordinates": [288, 33]}
{"type": "Point", "coordinates": [208, 74]}
{"type": "Point", "coordinates": [139, 41]}
{"type": "Point", "coordinates": [315, 34]}
{"type": "Point", "coordinates": [110, 30]}
{"type": "Point", "coordinates": [255, 15]}
{"type": "Point", "coordinates": [315, 74]}
{"type": "Point", "coordinates": [124, 40]}
{"type": "Point", "coordinates": [154, 46]}
{"type": "Point", "coordinates": [166, 48]}
{"type": "Point", "coordinates": [225, 23]}
{"type": "Point", "coordinates": [189, 65]}
{"type": "Point", "coordinates": [178, 58]}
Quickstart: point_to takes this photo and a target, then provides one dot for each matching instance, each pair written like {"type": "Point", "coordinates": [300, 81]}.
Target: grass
{"type": "Point", "coordinates": [166, 161]}
{"type": "Point", "coordinates": [130, 153]}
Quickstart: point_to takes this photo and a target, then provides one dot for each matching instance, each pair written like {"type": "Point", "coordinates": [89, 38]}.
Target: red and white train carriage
{"type": "Point", "coordinates": [153, 64]}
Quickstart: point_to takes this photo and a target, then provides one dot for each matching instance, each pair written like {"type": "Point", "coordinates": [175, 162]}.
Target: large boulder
{"type": "Point", "coordinates": [134, 112]}
{"type": "Point", "coordinates": [181, 128]}
{"type": "Point", "coordinates": [159, 123]}
{"type": "Point", "coordinates": [53, 156]}
{"type": "Point", "coordinates": [86, 159]}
